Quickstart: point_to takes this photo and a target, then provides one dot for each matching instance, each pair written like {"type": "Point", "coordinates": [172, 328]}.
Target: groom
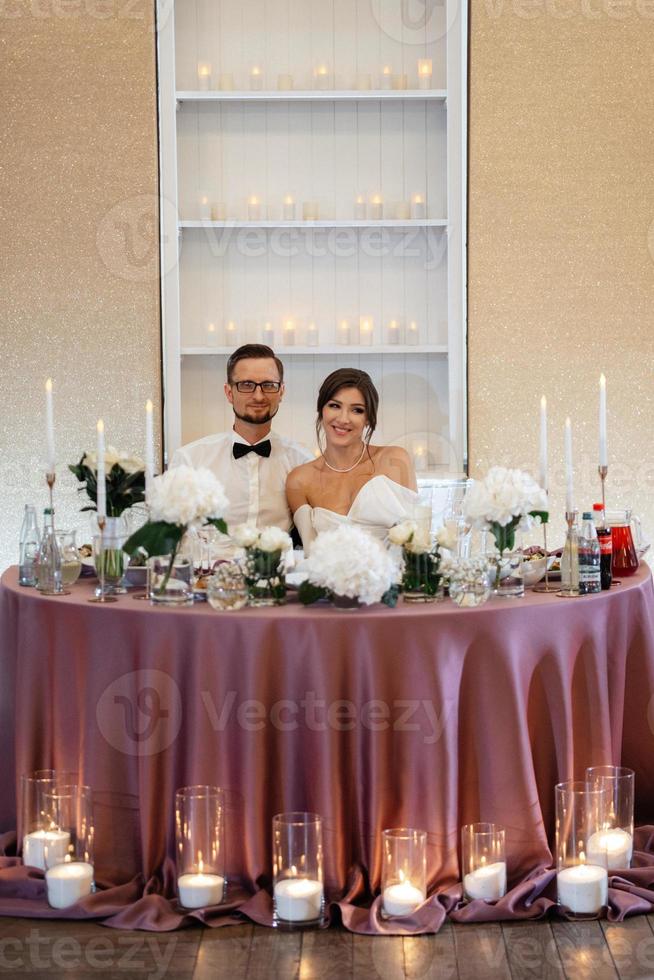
{"type": "Point", "coordinates": [251, 462]}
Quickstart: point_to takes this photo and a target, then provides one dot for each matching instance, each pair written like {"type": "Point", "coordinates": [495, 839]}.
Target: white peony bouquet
{"type": "Point", "coordinates": [504, 500]}
{"type": "Point", "coordinates": [350, 563]}
{"type": "Point", "coordinates": [269, 540]}
{"type": "Point", "coordinates": [180, 498]}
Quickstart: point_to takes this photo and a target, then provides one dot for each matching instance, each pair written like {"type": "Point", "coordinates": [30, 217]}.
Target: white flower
{"type": "Point", "coordinates": [401, 533]}
{"type": "Point", "coordinates": [131, 464]}
{"type": "Point", "coordinates": [350, 562]}
{"type": "Point", "coordinates": [502, 495]}
{"type": "Point", "coordinates": [464, 571]}
{"type": "Point", "coordinates": [274, 539]}
{"type": "Point", "coordinates": [419, 544]}
{"type": "Point", "coordinates": [446, 537]}
{"type": "Point", "coordinates": [184, 496]}
{"type": "Point", "coordinates": [245, 535]}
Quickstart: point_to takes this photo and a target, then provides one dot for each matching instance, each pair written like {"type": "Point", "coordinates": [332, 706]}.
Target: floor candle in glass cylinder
{"type": "Point", "coordinates": [200, 851]}
{"type": "Point", "coordinates": [613, 845]}
{"type": "Point", "coordinates": [36, 821]}
{"type": "Point", "coordinates": [483, 858]}
{"type": "Point", "coordinates": [69, 876]}
{"type": "Point", "coordinates": [298, 889]}
{"type": "Point", "coordinates": [404, 870]}
{"type": "Point", "coordinates": [582, 887]}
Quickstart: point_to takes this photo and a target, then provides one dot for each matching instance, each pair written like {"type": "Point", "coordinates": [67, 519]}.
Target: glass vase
{"type": "Point", "coordinates": [420, 578]}
{"type": "Point", "coordinates": [404, 871]}
{"type": "Point", "coordinates": [170, 580]}
{"type": "Point", "coordinates": [582, 878]}
{"type": "Point", "coordinates": [200, 850]}
{"type": "Point", "coordinates": [69, 874]}
{"type": "Point", "coordinates": [264, 575]}
{"type": "Point", "coordinates": [298, 889]}
{"type": "Point", "coordinates": [110, 558]}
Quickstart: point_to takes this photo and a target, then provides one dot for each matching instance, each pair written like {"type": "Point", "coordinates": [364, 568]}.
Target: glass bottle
{"type": "Point", "coordinates": [570, 560]}
{"type": "Point", "coordinates": [605, 538]}
{"type": "Point", "coordinates": [49, 562]}
{"type": "Point", "coordinates": [589, 557]}
{"type": "Point", "coordinates": [30, 540]}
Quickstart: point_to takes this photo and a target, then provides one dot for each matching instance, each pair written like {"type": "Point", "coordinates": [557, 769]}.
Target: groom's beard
{"type": "Point", "coordinates": [257, 419]}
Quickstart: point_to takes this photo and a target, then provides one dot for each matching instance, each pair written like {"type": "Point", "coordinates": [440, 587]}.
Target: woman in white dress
{"type": "Point", "coordinates": [352, 481]}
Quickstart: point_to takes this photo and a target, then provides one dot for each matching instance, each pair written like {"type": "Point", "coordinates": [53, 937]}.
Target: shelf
{"type": "Point", "coordinates": [309, 95]}
{"type": "Point", "coordinates": [328, 349]}
{"type": "Point", "coordinates": [310, 225]}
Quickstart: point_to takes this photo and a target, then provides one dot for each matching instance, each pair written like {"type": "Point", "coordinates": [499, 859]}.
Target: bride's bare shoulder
{"type": "Point", "coordinates": [302, 475]}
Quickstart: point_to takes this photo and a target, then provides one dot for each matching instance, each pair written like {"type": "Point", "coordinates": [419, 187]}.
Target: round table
{"type": "Point", "coordinates": [426, 716]}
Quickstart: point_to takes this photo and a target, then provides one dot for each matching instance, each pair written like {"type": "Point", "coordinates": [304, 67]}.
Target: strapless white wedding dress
{"type": "Point", "coordinates": [379, 504]}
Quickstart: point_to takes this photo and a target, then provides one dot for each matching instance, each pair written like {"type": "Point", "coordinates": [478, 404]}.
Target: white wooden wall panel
{"type": "Point", "coordinates": [329, 152]}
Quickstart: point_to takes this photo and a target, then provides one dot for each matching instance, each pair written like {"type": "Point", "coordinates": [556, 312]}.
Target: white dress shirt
{"type": "Point", "coordinates": [255, 485]}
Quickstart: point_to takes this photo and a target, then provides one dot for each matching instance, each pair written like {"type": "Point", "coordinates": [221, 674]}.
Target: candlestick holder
{"type": "Point", "coordinates": [545, 586]}
{"type": "Point", "coordinates": [572, 589]}
{"type": "Point", "coordinates": [603, 473]}
{"type": "Point", "coordinates": [102, 596]}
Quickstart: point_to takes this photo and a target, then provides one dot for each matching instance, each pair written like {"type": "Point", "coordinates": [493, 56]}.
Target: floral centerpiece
{"type": "Point", "coordinates": [264, 569]}
{"type": "Point", "coordinates": [350, 567]}
{"type": "Point", "coordinates": [125, 486]}
{"type": "Point", "coordinates": [125, 480]}
{"type": "Point", "coordinates": [502, 502]}
{"type": "Point", "coordinates": [179, 499]}
{"type": "Point", "coordinates": [420, 561]}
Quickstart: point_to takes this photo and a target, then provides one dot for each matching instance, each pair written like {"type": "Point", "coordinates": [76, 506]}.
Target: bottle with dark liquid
{"type": "Point", "coordinates": [605, 538]}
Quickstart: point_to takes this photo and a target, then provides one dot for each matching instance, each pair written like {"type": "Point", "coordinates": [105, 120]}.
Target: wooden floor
{"type": "Point", "coordinates": [593, 950]}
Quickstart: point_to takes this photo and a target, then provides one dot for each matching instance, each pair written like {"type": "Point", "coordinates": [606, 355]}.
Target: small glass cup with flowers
{"type": "Point", "coordinates": [263, 563]}
{"type": "Point", "coordinates": [469, 580]}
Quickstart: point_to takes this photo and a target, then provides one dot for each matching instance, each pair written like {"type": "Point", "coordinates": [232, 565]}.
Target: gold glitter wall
{"type": "Point", "coordinates": [78, 228]}
{"type": "Point", "coordinates": [561, 241]}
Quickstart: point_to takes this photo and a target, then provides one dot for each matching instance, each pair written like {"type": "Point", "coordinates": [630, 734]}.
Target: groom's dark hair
{"type": "Point", "coordinates": [252, 350]}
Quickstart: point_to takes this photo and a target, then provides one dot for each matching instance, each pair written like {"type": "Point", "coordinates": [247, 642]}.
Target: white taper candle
{"type": "Point", "coordinates": [49, 428]}
{"type": "Point", "coordinates": [543, 443]}
{"type": "Point", "coordinates": [569, 487]}
{"type": "Point", "coordinates": [101, 475]}
{"type": "Point", "coordinates": [149, 447]}
{"type": "Point", "coordinates": [603, 456]}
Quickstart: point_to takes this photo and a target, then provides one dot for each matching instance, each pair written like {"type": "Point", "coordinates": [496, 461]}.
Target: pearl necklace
{"type": "Point", "coordinates": [349, 467]}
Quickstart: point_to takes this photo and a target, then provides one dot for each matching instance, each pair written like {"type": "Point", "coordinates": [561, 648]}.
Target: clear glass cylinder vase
{"type": "Point", "coordinates": [613, 845]}
{"type": "Point", "coordinates": [298, 877]}
{"type": "Point", "coordinates": [69, 874]}
{"type": "Point", "coordinates": [404, 870]}
{"type": "Point", "coordinates": [265, 577]}
{"type": "Point", "coordinates": [483, 861]}
{"type": "Point", "coordinates": [582, 886]}
{"type": "Point", "coordinates": [35, 825]}
{"type": "Point", "coordinates": [420, 578]}
{"type": "Point", "coordinates": [170, 580]}
{"type": "Point", "coordinates": [200, 846]}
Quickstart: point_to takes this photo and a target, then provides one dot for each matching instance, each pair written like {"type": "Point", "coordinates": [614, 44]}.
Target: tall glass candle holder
{"type": "Point", "coordinates": [298, 876]}
{"type": "Point", "coordinates": [404, 871]}
{"type": "Point", "coordinates": [35, 823]}
{"type": "Point", "coordinates": [613, 845]}
{"type": "Point", "coordinates": [483, 859]}
{"type": "Point", "coordinates": [200, 846]}
{"type": "Point", "coordinates": [69, 874]}
{"type": "Point", "coordinates": [582, 886]}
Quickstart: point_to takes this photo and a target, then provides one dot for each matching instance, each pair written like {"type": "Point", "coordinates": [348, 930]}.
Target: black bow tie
{"type": "Point", "coordinates": [261, 449]}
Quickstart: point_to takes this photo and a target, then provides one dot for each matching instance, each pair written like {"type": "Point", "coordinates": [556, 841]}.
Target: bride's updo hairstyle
{"type": "Point", "coordinates": [350, 378]}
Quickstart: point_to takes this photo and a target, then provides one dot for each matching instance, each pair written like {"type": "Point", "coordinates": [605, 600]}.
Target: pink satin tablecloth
{"type": "Point", "coordinates": [424, 716]}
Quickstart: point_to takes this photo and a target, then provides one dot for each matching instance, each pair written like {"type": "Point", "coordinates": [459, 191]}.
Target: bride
{"type": "Point", "coordinates": [351, 481]}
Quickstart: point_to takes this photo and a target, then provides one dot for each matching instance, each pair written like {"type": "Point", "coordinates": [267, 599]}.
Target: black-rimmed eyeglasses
{"type": "Point", "coordinates": [267, 387]}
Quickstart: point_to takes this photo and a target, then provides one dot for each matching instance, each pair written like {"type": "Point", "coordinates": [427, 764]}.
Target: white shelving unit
{"type": "Point", "coordinates": [327, 148]}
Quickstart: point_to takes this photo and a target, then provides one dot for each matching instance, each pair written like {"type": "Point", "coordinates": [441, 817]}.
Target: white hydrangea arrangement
{"type": "Point", "coordinates": [503, 501]}
{"type": "Point", "coordinates": [179, 499]}
{"type": "Point", "coordinates": [349, 562]}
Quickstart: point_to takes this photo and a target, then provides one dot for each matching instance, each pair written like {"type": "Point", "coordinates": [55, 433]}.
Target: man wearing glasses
{"type": "Point", "coordinates": [251, 462]}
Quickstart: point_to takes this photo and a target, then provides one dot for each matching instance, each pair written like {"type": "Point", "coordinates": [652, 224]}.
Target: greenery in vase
{"type": "Point", "coordinates": [125, 480]}
{"type": "Point", "coordinates": [263, 566]}
{"type": "Point", "coordinates": [420, 558]}
{"type": "Point", "coordinates": [178, 499]}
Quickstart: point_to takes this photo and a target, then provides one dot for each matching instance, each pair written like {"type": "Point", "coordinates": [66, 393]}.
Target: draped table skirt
{"type": "Point", "coordinates": [422, 716]}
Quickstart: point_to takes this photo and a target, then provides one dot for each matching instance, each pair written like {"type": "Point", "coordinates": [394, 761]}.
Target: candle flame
{"type": "Point", "coordinates": [253, 199]}
{"type": "Point", "coordinates": [482, 862]}
{"type": "Point", "coordinates": [582, 857]}
{"type": "Point", "coordinates": [377, 199]}
{"type": "Point", "coordinates": [231, 326]}
{"type": "Point", "coordinates": [413, 325]}
{"type": "Point", "coordinates": [256, 70]}
{"type": "Point", "coordinates": [100, 425]}
{"type": "Point", "coordinates": [387, 70]}
{"type": "Point", "coordinates": [48, 385]}
{"type": "Point", "coordinates": [204, 70]}
{"type": "Point", "coordinates": [148, 406]}
{"type": "Point", "coordinates": [211, 328]}
{"type": "Point", "coordinates": [543, 402]}
{"type": "Point", "coordinates": [424, 66]}
{"type": "Point", "coordinates": [602, 381]}
{"type": "Point", "coordinates": [289, 199]}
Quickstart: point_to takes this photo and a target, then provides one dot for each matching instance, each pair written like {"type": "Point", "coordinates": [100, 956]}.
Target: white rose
{"type": "Point", "coordinates": [245, 535]}
{"type": "Point", "coordinates": [274, 539]}
{"type": "Point", "coordinates": [419, 544]}
{"type": "Point", "coordinates": [131, 464]}
{"type": "Point", "coordinates": [446, 537]}
{"type": "Point", "coordinates": [401, 533]}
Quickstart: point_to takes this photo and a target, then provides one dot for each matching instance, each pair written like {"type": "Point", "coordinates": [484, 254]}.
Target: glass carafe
{"type": "Point", "coordinates": [625, 557]}
{"type": "Point", "coordinates": [71, 565]}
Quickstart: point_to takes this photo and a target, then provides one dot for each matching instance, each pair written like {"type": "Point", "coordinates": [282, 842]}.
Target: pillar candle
{"type": "Point", "coordinates": [366, 331]}
{"type": "Point", "coordinates": [418, 207]}
{"type": "Point", "coordinates": [312, 335]}
{"type": "Point", "coordinates": [204, 77]}
{"type": "Point", "coordinates": [386, 80]}
{"type": "Point", "coordinates": [256, 79]}
{"type": "Point", "coordinates": [377, 208]}
{"type": "Point", "coordinates": [254, 208]}
{"type": "Point", "coordinates": [67, 883]}
{"type": "Point", "coordinates": [298, 899]}
{"type": "Point", "coordinates": [424, 73]}
{"type": "Point", "coordinates": [288, 210]}
{"type": "Point", "coordinates": [360, 208]}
